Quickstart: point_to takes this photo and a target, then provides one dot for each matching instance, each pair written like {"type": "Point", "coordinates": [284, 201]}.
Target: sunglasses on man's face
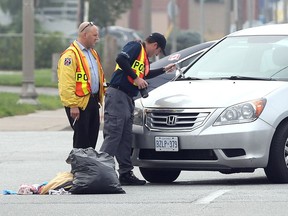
{"type": "Point", "coordinates": [89, 24]}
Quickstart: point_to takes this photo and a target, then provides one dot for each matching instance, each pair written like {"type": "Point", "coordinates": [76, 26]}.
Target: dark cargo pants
{"type": "Point", "coordinates": [86, 128]}
{"type": "Point", "coordinates": [117, 131]}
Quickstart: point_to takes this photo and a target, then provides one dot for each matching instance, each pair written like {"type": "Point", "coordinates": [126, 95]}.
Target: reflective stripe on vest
{"type": "Point", "coordinates": [82, 75]}
{"type": "Point", "coordinates": [140, 66]}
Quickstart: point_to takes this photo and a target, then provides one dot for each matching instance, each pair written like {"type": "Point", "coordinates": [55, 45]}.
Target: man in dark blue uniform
{"type": "Point", "coordinates": [126, 82]}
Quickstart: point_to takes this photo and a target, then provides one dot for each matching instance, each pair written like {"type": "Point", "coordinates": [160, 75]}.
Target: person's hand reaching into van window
{"type": "Point", "coordinates": [169, 68]}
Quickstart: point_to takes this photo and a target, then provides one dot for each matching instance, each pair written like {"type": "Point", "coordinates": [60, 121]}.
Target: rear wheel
{"type": "Point", "coordinates": [160, 175]}
{"type": "Point", "coordinates": [277, 168]}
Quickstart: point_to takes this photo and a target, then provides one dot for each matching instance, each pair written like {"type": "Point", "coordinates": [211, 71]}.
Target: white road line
{"type": "Point", "coordinates": [211, 197]}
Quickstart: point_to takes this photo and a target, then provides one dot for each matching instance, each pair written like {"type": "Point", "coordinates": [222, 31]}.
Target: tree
{"type": "Point", "coordinates": [11, 6]}
{"type": "Point", "coordinates": [15, 10]}
{"type": "Point", "coordinates": [184, 39]}
{"type": "Point", "coordinates": [104, 13]}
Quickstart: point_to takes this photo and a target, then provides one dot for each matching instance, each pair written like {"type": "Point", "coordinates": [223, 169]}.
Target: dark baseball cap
{"type": "Point", "coordinates": [160, 39]}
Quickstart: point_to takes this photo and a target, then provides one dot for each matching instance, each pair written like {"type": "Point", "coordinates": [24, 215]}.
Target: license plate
{"type": "Point", "coordinates": [166, 144]}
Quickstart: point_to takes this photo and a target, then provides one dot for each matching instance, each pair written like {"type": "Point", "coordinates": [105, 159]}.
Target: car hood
{"type": "Point", "coordinates": [208, 93]}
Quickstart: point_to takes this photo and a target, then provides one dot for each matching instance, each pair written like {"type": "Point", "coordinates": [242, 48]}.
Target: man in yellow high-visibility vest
{"type": "Point", "coordinates": [81, 85]}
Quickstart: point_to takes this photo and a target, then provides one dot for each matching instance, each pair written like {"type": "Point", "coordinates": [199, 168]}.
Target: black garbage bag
{"type": "Point", "coordinates": [94, 172]}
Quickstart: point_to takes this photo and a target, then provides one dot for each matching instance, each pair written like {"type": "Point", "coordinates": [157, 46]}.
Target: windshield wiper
{"type": "Point", "coordinates": [188, 78]}
{"type": "Point", "coordinates": [242, 78]}
{"type": "Point", "coordinates": [282, 69]}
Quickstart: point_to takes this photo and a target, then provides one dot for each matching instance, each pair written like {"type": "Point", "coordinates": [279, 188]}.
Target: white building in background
{"type": "Point", "coordinates": [62, 9]}
{"type": "Point", "coordinates": [62, 18]}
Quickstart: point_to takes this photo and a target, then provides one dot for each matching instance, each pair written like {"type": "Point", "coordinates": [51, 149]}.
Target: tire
{"type": "Point", "coordinates": [277, 168]}
{"type": "Point", "coordinates": [160, 175]}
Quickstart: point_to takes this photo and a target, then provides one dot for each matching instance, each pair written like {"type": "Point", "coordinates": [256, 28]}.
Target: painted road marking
{"type": "Point", "coordinates": [211, 197]}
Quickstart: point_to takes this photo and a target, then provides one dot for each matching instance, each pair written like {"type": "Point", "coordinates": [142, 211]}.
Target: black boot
{"type": "Point", "coordinates": [130, 179]}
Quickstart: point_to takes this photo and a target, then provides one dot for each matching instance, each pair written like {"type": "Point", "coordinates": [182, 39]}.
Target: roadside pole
{"type": "Point", "coordinates": [147, 17]}
{"type": "Point", "coordinates": [172, 14]}
{"type": "Point", "coordinates": [28, 93]}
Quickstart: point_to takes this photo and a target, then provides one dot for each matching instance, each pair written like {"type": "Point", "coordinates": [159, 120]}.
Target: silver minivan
{"type": "Point", "coordinates": [227, 111]}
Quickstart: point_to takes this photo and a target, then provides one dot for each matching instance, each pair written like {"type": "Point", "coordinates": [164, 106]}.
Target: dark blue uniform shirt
{"type": "Point", "coordinates": [125, 60]}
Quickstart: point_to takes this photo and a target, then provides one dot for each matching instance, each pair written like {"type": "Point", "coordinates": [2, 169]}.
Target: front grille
{"type": "Point", "coordinates": [175, 119]}
{"type": "Point", "coordinates": [197, 154]}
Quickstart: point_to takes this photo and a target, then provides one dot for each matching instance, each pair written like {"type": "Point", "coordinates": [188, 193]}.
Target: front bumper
{"type": "Point", "coordinates": [229, 147]}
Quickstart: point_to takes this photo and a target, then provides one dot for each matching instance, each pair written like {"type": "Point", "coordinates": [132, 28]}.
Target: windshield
{"type": "Point", "coordinates": [263, 57]}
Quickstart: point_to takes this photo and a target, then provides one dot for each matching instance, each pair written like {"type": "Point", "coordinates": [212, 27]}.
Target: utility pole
{"type": "Point", "coordinates": [251, 9]}
{"type": "Point", "coordinates": [172, 10]}
{"type": "Point", "coordinates": [240, 9]}
{"type": "Point", "coordinates": [276, 12]}
{"type": "Point", "coordinates": [86, 11]}
{"type": "Point", "coordinates": [284, 11]}
{"type": "Point", "coordinates": [227, 16]}
{"type": "Point", "coordinates": [202, 21]}
{"type": "Point", "coordinates": [236, 15]}
{"type": "Point", "coordinates": [28, 94]}
{"type": "Point", "coordinates": [80, 12]}
{"type": "Point", "coordinates": [147, 18]}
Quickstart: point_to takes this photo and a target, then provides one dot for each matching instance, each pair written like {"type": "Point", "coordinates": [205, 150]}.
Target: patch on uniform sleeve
{"type": "Point", "coordinates": [67, 61]}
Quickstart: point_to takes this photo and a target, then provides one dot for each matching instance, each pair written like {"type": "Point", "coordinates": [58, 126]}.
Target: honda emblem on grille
{"type": "Point", "coordinates": [171, 120]}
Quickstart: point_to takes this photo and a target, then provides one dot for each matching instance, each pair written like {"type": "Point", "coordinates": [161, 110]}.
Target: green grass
{"type": "Point", "coordinates": [43, 78]}
{"type": "Point", "coordinates": [8, 102]}
{"type": "Point", "coordinates": [10, 107]}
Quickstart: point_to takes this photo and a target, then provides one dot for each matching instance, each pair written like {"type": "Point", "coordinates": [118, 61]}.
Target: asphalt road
{"type": "Point", "coordinates": [32, 157]}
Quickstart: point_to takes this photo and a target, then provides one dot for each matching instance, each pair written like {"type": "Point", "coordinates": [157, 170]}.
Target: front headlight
{"type": "Point", "coordinates": [138, 116]}
{"type": "Point", "coordinates": [241, 113]}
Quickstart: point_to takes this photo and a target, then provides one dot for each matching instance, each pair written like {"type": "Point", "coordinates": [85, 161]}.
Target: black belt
{"type": "Point", "coordinates": [121, 89]}
{"type": "Point", "coordinates": [95, 95]}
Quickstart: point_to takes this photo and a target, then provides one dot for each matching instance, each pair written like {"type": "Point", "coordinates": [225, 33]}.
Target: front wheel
{"type": "Point", "coordinates": [277, 168]}
{"type": "Point", "coordinates": [160, 175]}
